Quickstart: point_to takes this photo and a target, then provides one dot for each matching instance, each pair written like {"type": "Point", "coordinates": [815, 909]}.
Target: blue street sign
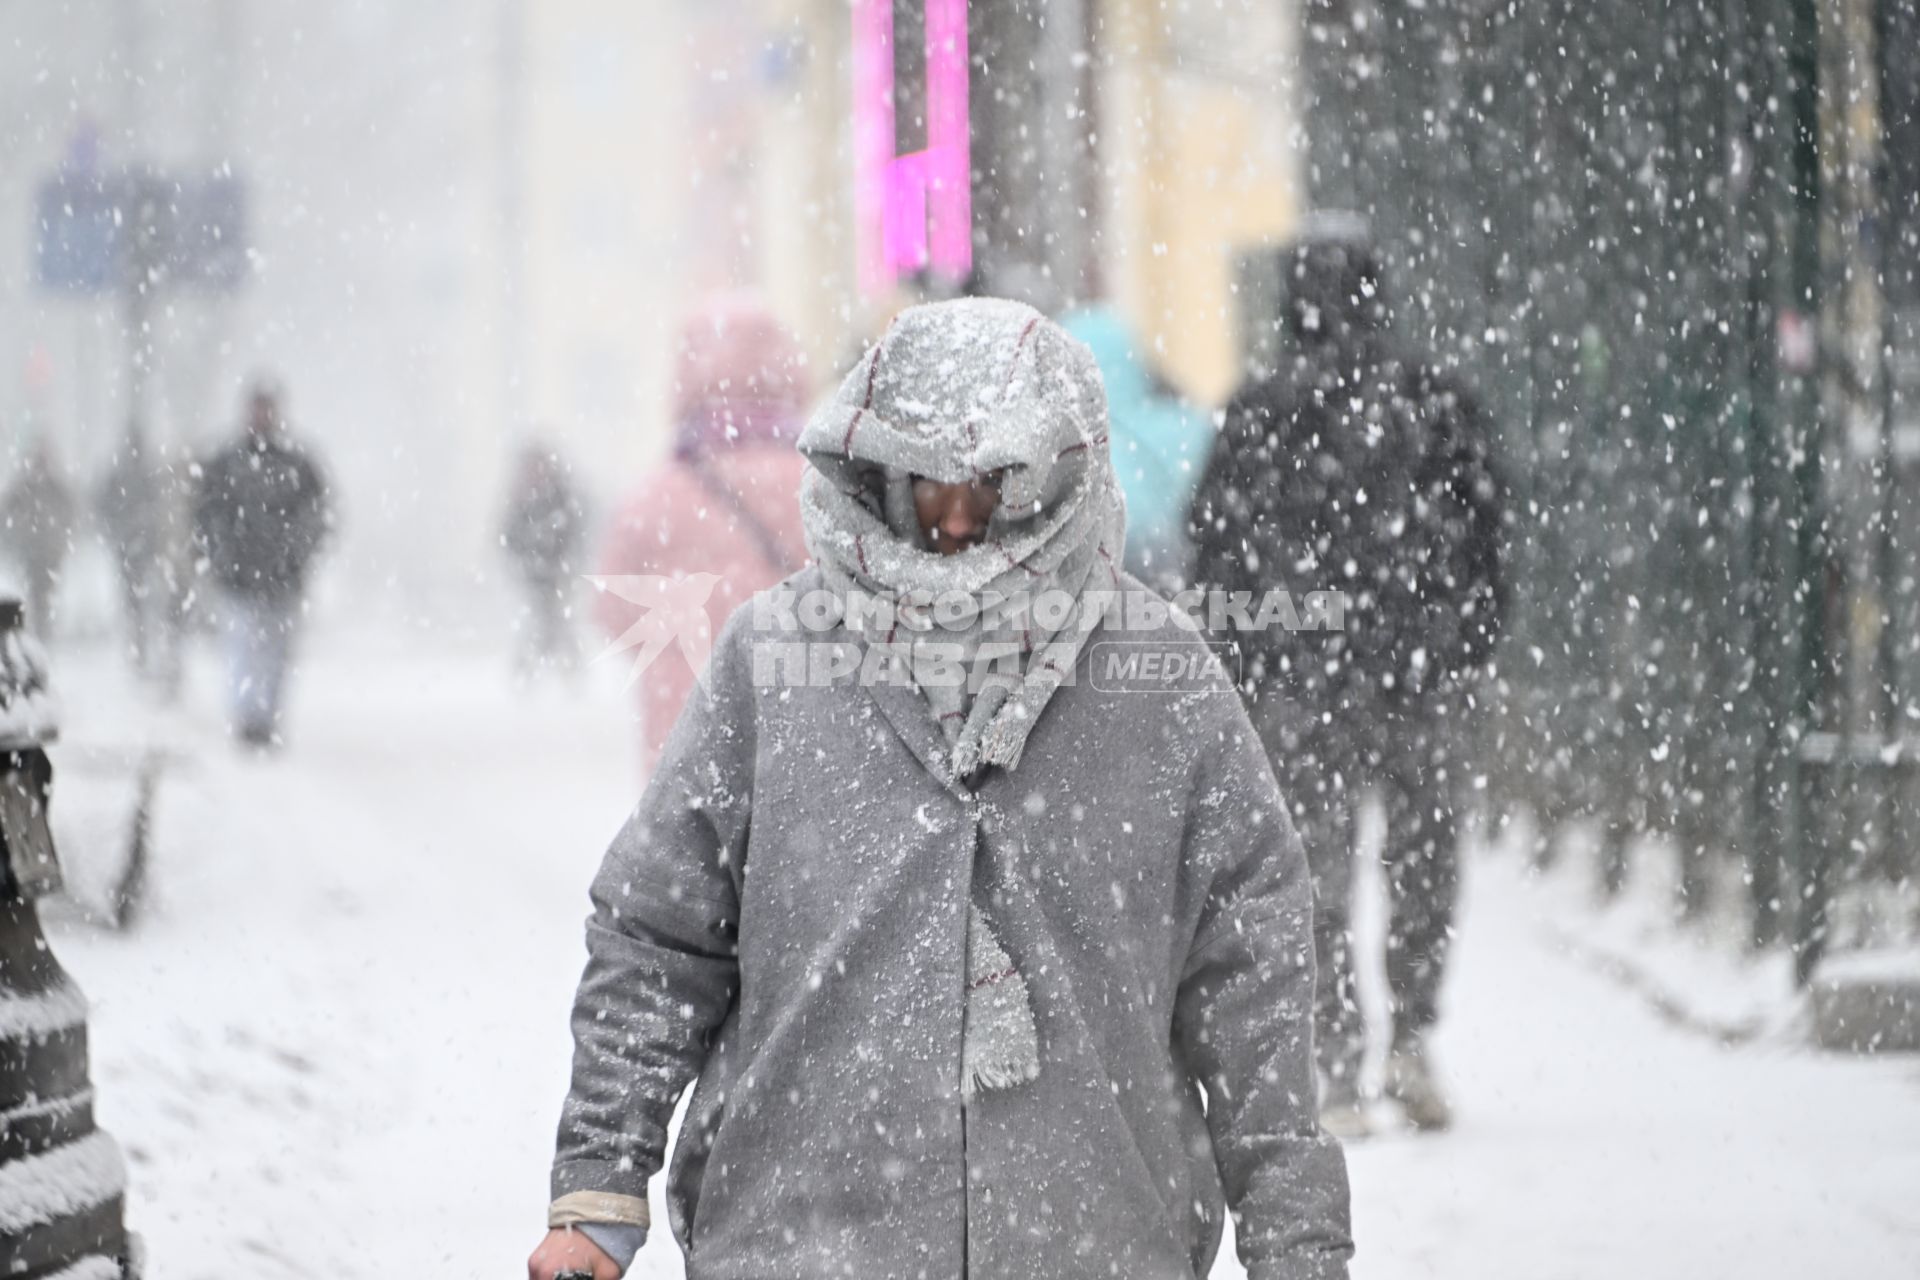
{"type": "Point", "coordinates": [90, 231]}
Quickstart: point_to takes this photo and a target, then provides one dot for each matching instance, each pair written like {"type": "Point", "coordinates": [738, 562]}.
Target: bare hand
{"type": "Point", "coordinates": [564, 1250]}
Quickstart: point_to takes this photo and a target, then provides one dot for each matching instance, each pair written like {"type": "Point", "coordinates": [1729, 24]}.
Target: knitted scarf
{"type": "Point", "coordinates": [960, 391]}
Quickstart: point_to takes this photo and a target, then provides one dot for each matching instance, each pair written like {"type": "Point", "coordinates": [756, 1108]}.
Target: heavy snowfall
{"type": "Point", "coordinates": [910, 637]}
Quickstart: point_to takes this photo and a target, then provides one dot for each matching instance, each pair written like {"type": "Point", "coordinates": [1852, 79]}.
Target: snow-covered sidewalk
{"type": "Point", "coordinates": [336, 1042]}
{"type": "Point", "coordinates": [1597, 1139]}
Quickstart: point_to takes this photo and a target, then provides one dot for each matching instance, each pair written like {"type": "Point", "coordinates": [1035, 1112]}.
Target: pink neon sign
{"type": "Point", "coordinates": [913, 211]}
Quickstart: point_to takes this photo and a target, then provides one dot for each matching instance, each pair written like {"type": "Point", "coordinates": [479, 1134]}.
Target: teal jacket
{"type": "Point", "coordinates": [1160, 446]}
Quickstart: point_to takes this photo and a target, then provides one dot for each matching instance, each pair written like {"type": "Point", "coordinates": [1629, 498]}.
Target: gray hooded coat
{"type": "Point", "coordinates": [783, 921]}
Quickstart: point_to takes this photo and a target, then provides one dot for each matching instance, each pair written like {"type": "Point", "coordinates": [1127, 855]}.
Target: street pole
{"type": "Point", "coordinates": [510, 175]}
{"type": "Point", "coordinates": [1030, 76]}
{"type": "Point", "coordinates": [1771, 708]}
{"type": "Point", "coordinates": [1065, 236]}
{"type": "Point", "coordinates": [137, 281]}
{"type": "Point", "coordinates": [1803, 443]}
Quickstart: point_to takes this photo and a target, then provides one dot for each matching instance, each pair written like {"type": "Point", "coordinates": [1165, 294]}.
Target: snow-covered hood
{"type": "Point", "coordinates": [958, 391]}
{"type": "Point", "coordinates": [955, 391]}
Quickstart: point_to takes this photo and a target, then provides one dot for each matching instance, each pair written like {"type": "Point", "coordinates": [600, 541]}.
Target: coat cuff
{"type": "Point", "coordinates": [577, 1207]}
{"type": "Point", "coordinates": [1302, 1266]}
{"type": "Point", "coordinates": [614, 1177]}
{"type": "Point", "coordinates": [622, 1244]}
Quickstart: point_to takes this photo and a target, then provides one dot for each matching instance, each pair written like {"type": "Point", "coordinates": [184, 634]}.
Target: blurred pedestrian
{"type": "Point", "coordinates": [175, 551]}
{"type": "Point", "coordinates": [1160, 447]}
{"type": "Point", "coordinates": [726, 503]}
{"type": "Point", "coordinates": [127, 505]}
{"type": "Point", "coordinates": [542, 532]}
{"type": "Point", "coordinates": [1360, 468]}
{"type": "Point", "coordinates": [261, 514]}
{"type": "Point", "coordinates": [37, 515]}
{"type": "Point", "coordinates": [989, 971]}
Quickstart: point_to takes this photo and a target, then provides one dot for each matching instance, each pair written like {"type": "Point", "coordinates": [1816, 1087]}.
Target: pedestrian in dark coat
{"type": "Point", "coordinates": [1007, 977]}
{"type": "Point", "coordinates": [261, 515]}
{"type": "Point", "coordinates": [543, 532]}
{"type": "Point", "coordinates": [1362, 468]}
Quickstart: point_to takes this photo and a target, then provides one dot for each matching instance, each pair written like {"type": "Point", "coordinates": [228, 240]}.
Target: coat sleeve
{"type": "Point", "coordinates": [207, 495]}
{"type": "Point", "coordinates": [319, 517]}
{"type": "Point", "coordinates": [1254, 513]}
{"type": "Point", "coordinates": [1218, 519]}
{"type": "Point", "coordinates": [661, 971]}
{"type": "Point", "coordinates": [1243, 1020]}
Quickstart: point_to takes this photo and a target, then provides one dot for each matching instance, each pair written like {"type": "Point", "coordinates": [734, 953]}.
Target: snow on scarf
{"type": "Point", "coordinates": [958, 391]}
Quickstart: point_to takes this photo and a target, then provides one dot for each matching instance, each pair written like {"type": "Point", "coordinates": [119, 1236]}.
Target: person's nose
{"type": "Point", "coordinates": [956, 520]}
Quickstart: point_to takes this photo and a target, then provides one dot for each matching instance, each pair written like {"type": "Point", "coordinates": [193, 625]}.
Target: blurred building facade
{"type": "Point", "coordinates": [1122, 150]}
{"type": "Point", "coordinates": [1202, 116]}
{"type": "Point", "coordinates": [362, 136]}
{"type": "Point", "coordinates": [464, 221]}
{"type": "Point", "coordinates": [1675, 247]}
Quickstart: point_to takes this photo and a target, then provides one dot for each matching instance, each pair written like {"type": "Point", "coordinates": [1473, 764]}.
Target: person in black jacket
{"type": "Point", "coordinates": [1361, 469]}
{"type": "Point", "coordinates": [261, 515]}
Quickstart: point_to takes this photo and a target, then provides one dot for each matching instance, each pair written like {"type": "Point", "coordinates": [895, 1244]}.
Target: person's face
{"type": "Point", "coordinates": [953, 517]}
{"type": "Point", "coordinates": [263, 413]}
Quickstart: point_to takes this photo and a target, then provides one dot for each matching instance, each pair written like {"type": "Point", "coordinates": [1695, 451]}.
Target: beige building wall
{"type": "Point", "coordinates": [806, 187]}
{"type": "Point", "coordinates": [1199, 117]}
{"type": "Point", "coordinates": [605, 160]}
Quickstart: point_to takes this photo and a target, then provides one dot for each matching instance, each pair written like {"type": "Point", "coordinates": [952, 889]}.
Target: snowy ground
{"type": "Point", "coordinates": [335, 1043]}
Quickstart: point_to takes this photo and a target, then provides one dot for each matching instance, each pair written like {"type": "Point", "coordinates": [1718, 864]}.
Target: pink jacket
{"type": "Point", "coordinates": [729, 502]}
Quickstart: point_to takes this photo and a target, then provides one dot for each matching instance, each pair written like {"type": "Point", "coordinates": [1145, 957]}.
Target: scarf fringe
{"type": "Point", "coordinates": [1000, 1043]}
{"type": "Point", "coordinates": [996, 1077]}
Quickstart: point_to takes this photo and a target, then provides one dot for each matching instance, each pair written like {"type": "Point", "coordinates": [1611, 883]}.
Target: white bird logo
{"type": "Point", "coordinates": [674, 611]}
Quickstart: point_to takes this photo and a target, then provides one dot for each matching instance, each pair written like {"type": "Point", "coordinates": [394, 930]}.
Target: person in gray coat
{"type": "Point", "coordinates": [37, 516]}
{"type": "Point", "coordinates": [983, 957]}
